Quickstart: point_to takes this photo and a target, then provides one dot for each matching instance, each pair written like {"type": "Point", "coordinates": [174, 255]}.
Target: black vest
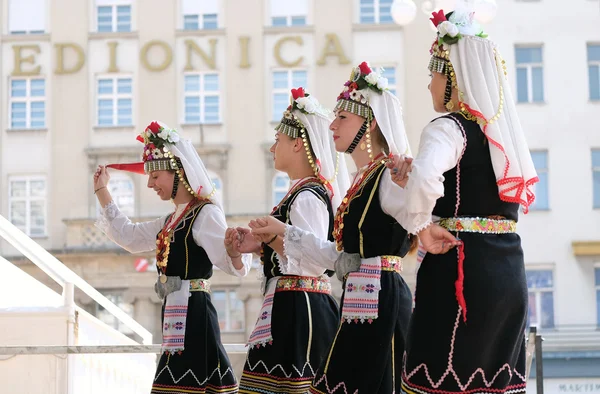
{"type": "Point", "coordinates": [186, 259]}
{"type": "Point", "coordinates": [367, 229]}
{"type": "Point", "coordinates": [478, 188]}
{"type": "Point", "coordinates": [268, 256]}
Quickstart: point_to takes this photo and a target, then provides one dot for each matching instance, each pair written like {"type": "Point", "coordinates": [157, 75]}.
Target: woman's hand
{"type": "Point", "coordinates": [248, 244]}
{"type": "Point", "coordinates": [437, 240]}
{"type": "Point", "coordinates": [232, 243]}
{"type": "Point", "coordinates": [101, 178]}
{"type": "Point", "coordinates": [400, 167]}
{"type": "Point", "coordinates": [267, 227]}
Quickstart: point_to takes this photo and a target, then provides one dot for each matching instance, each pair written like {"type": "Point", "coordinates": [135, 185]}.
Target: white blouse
{"type": "Point", "coordinates": [208, 231]}
{"type": "Point", "coordinates": [313, 249]}
{"type": "Point", "coordinates": [440, 149]}
{"type": "Point", "coordinates": [309, 213]}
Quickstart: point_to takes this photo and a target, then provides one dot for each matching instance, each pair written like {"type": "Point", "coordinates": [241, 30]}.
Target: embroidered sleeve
{"type": "Point", "coordinates": [209, 233]}
{"type": "Point", "coordinates": [133, 237]}
{"type": "Point", "coordinates": [306, 246]}
{"type": "Point", "coordinates": [308, 212]}
{"type": "Point", "coordinates": [439, 151]}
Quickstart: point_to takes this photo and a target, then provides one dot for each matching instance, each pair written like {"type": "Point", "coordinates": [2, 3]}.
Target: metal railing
{"type": "Point", "coordinates": [66, 278]}
{"type": "Point", "coordinates": [534, 349]}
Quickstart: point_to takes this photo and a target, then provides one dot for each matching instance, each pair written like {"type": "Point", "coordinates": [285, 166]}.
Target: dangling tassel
{"type": "Point", "coordinates": [459, 285]}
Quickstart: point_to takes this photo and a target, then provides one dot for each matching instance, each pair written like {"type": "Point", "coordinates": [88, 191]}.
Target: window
{"type": "Point", "coordinates": [116, 297]}
{"type": "Point", "coordinates": [390, 74]}
{"type": "Point", "coordinates": [283, 82]}
{"type": "Point", "coordinates": [593, 55]}
{"type": "Point", "coordinates": [113, 16]}
{"type": "Point", "coordinates": [281, 185]}
{"type": "Point", "coordinates": [597, 277]}
{"type": "Point", "coordinates": [375, 11]}
{"type": "Point", "coordinates": [27, 204]}
{"type": "Point", "coordinates": [122, 191]}
{"type": "Point", "coordinates": [200, 14]}
{"type": "Point", "coordinates": [115, 101]}
{"type": "Point", "coordinates": [218, 185]}
{"type": "Point", "coordinates": [230, 310]}
{"type": "Point", "coordinates": [202, 98]}
{"type": "Point", "coordinates": [540, 162]}
{"type": "Point", "coordinates": [26, 16]}
{"type": "Point", "coordinates": [530, 75]}
{"type": "Point", "coordinates": [596, 176]}
{"type": "Point", "coordinates": [28, 103]}
{"type": "Point", "coordinates": [288, 12]}
{"type": "Point", "coordinates": [541, 298]}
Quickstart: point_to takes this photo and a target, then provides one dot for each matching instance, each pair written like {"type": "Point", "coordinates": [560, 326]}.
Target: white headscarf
{"type": "Point", "coordinates": [321, 141]}
{"type": "Point", "coordinates": [194, 168]}
{"type": "Point", "coordinates": [485, 89]}
{"type": "Point", "coordinates": [387, 111]}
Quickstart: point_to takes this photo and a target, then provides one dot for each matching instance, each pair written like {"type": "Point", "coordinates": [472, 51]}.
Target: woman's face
{"type": "Point", "coordinates": [345, 126]}
{"type": "Point", "coordinates": [437, 88]}
{"type": "Point", "coordinates": [283, 150]}
{"type": "Point", "coordinates": [162, 183]}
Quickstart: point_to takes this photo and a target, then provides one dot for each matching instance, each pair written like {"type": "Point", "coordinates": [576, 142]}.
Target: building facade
{"type": "Point", "coordinates": [81, 78]}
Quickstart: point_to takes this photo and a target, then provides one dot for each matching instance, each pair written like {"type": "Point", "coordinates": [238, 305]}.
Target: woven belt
{"type": "Point", "coordinates": [479, 225]}
{"type": "Point", "coordinates": [391, 263]}
{"type": "Point", "coordinates": [310, 284]}
{"type": "Point", "coordinates": [200, 285]}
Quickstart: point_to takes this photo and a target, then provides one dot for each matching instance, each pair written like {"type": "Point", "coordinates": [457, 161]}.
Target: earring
{"type": "Point", "coordinates": [450, 106]}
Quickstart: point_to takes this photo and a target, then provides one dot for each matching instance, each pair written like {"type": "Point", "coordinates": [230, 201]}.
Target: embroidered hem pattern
{"type": "Point", "coordinates": [209, 389]}
{"type": "Point", "coordinates": [463, 383]}
{"type": "Point", "coordinates": [264, 383]}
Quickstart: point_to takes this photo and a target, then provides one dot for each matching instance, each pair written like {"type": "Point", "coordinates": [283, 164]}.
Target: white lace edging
{"type": "Point", "coordinates": [292, 244]}
{"type": "Point", "coordinates": [289, 266]}
{"type": "Point", "coordinates": [107, 215]}
{"type": "Point", "coordinates": [422, 227]}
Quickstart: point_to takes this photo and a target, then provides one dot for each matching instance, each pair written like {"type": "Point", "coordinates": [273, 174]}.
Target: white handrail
{"type": "Point", "coordinates": [62, 275]}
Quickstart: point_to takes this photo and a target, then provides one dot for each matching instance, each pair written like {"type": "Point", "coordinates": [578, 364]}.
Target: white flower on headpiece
{"type": "Point", "coordinates": [164, 134]}
{"type": "Point", "coordinates": [173, 137]}
{"type": "Point", "coordinates": [448, 28]}
{"type": "Point", "coordinates": [157, 154]}
{"type": "Point", "coordinates": [308, 104]}
{"type": "Point", "coordinates": [355, 95]}
{"type": "Point", "coordinates": [372, 78]}
{"type": "Point", "coordinates": [382, 83]}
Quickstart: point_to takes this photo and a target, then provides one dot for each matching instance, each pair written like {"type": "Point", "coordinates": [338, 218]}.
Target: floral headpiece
{"type": "Point", "coordinates": [156, 140]}
{"type": "Point", "coordinates": [300, 100]}
{"type": "Point", "coordinates": [352, 98]}
{"type": "Point", "coordinates": [450, 29]}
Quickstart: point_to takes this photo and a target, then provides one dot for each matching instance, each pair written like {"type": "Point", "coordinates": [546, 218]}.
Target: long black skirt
{"type": "Point", "coordinates": [203, 367]}
{"type": "Point", "coordinates": [367, 358]}
{"type": "Point", "coordinates": [303, 325]}
{"type": "Point", "coordinates": [485, 354]}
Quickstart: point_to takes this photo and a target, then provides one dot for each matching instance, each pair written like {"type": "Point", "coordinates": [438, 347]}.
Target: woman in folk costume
{"type": "Point", "coordinates": [299, 317]}
{"type": "Point", "coordinates": [366, 354]}
{"type": "Point", "coordinates": [188, 243]}
{"type": "Point", "coordinates": [472, 172]}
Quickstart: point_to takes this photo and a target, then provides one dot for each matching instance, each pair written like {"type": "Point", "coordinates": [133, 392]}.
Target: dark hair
{"type": "Point", "coordinates": [414, 243]}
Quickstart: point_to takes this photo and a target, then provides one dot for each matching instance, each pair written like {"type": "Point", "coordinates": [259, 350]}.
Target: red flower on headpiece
{"type": "Point", "coordinates": [140, 138]}
{"type": "Point", "coordinates": [364, 68]}
{"type": "Point", "coordinates": [298, 93]}
{"type": "Point", "coordinates": [438, 17]}
{"type": "Point", "coordinates": [154, 127]}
